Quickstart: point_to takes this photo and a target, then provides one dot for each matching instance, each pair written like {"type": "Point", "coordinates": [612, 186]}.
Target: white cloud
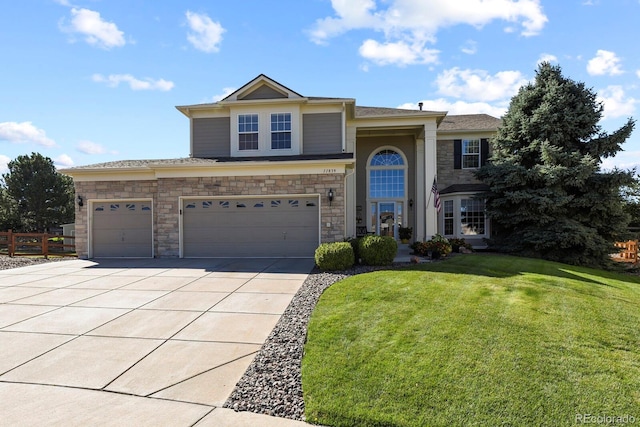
{"type": "Point", "coordinates": [114, 80]}
{"type": "Point", "coordinates": [225, 92]}
{"type": "Point", "coordinates": [408, 25]}
{"type": "Point", "coordinates": [459, 107]}
{"type": "Point", "coordinates": [97, 31]}
{"type": "Point", "coordinates": [24, 132]}
{"type": "Point", "coordinates": [605, 62]}
{"type": "Point", "coordinates": [63, 161]}
{"type": "Point", "coordinates": [638, 73]}
{"type": "Point", "coordinates": [623, 160]}
{"type": "Point", "coordinates": [205, 34]}
{"type": "Point", "coordinates": [89, 147]}
{"type": "Point", "coordinates": [4, 163]}
{"type": "Point", "coordinates": [398, 53]}
{"type": "Point", "coordinates": [616, 102]}
{"type": "Point", "coordinates": [351, 14]}
{"type": "Point", "coordinates": [547, 57]}
{"type": "Point", "coordinates": [470, 47]}
{"type": "Point", "coordinates": [479, 85]}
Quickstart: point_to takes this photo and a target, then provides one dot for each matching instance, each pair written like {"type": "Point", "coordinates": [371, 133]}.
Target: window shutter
{"type": "Point", "coordinates": [457, 154]}
{"type": "Point", "coordinates": [484, 151]}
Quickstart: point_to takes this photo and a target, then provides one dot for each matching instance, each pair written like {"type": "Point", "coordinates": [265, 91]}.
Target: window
{"type": "Point", "coordinates": [470, 153]}
{"type": "Point", "coordinates": [463, 215]}
{"type": "Point", "coordinates": [248, 132]}
{"type": "Point", "coordinates": [448, 217]}
{"type": "Point", "coordinates": [280, 131]}
{"type": "Point", "coordinates": [386, 175]}
{"type": "Point", "coordinates": [472, 221]}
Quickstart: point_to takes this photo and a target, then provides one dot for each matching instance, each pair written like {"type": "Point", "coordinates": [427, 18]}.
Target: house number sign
{"type": "Point", "coordinates": [329, 170]}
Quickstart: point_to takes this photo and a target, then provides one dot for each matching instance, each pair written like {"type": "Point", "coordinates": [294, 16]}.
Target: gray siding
{"type": "Point", "coordinates": [211, 137]}
{"type": "Point", "coordinates": [322, 133]}
{"type": "Point", "coordinates": [264, 92]}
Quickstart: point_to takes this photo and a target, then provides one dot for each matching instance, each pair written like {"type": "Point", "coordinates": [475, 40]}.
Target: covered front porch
{"type": "Point", "coordinates": [390, 188]}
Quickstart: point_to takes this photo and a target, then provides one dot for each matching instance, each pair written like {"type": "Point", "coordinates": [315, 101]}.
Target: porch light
{"type": "Point", "coordinates": [330, 195]}
{"type": "Point", "coordinates": [80, 201]}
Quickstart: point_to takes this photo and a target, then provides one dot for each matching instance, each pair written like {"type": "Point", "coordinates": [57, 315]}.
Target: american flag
{"type": "Point", "coordinates": [436, 196]}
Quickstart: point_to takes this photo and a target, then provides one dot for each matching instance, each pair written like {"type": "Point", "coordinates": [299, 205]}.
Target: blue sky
{"type": "Point", "coordinates": [90, 81]}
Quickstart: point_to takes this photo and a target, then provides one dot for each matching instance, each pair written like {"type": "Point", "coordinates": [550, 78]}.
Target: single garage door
{"type": "Point", "coordinates": [251, 227]}
{"type": "Point", "coordinates": [122, 229]}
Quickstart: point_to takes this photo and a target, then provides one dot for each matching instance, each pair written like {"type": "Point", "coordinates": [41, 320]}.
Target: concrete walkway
{"type": "Point", "coordinates": [137, 342]}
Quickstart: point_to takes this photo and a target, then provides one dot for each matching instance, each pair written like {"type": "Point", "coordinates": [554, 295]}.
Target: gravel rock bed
{"type": "Point", "coordinates": [7, 262]}
{"type": "Point", "coordinates": [272, 384]}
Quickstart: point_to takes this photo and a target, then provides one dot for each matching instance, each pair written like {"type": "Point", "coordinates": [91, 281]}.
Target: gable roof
{"type": "Point", "coordinates": [256, 84]}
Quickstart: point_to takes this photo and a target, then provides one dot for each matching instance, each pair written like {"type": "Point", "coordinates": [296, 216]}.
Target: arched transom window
{"type": "Point", "coordinates": [387, 175]}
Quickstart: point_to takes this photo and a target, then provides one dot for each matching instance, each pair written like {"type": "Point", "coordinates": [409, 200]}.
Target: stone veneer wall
{"type": "Point", "coordinates": [447, 175]}
{"type": "Point", "coordinates": [166, 205]}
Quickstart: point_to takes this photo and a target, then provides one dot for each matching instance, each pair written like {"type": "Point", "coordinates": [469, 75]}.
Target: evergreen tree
{"type": "Point", "coordinates": [549, 197]}
{"type": "Point", "coordinates": [42, 197]}
{"type": "Point", "coordinates": [9, 217]}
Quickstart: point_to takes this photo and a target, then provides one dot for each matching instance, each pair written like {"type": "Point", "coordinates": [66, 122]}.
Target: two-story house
{"type": "Point", "coordinates": [273, 173]}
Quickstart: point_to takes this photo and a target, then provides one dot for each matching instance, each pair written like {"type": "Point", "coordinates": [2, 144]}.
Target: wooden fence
{"type": "Point", "coordinates": [628, 251]}
{"type": "Point", "coordinates": [39, 244]}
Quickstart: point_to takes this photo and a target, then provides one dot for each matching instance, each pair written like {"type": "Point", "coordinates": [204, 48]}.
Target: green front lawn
{"type": "Point", "coordinates": [480, 340]}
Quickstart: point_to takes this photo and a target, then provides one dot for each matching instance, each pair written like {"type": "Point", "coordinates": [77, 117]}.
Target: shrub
{"type": "Point", "coordinates": [405, 233]}
{"type": "Point", "coordinates": [377, 250]}
{"type": "Point", "coordinates": [457, 243]}
{"type": "Point", "coordinates": [355, 245]}
{"type": "Point", "coordinates": [419, 248]}
{"type": "Point", "coordinates": [437, 244]}
{"type": "Point", "coordinates": [334, 256]}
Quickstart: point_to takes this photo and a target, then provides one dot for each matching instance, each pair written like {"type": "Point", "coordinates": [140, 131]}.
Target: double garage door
{"type": "Point", "coordinates": [250, 227]}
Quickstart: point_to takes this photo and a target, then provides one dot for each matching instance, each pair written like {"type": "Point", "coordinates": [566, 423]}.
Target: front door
{"type": "Point", "coordinates": [386, 217]}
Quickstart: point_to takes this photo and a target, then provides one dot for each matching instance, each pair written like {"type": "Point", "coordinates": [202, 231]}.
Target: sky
{"type": "Point", "coordinates": [92, 81]}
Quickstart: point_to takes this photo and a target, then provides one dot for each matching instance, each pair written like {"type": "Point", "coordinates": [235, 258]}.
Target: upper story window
{"type": "Point", "coordinates": [248, 132]}
{"type": "Point", "coordinates": [280, 131]}
{"type": "Point", "coordinates": [470, 153]}
{"type": "Point", "coordinates": [265, 130]}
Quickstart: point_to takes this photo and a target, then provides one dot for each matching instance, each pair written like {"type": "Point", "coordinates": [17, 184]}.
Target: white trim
{"type": "Point", "coordinates": [478, 154]}
{"type": "Point", "coordinates": [212, 169]}
{"type": "Point", "coordinates": [369, 200]}
{"type": "Point", "coordinates": [264, 130]}
{"type": "Point", "coordinates": [90, 203]}
{"type": "Point", "coordinates": [457, 232]}
{"type": "Point", "coordinates": [271, 132]}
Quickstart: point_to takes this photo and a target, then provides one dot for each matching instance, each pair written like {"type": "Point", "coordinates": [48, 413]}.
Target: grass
{"type": "Point", "coordinates": [479, 340]}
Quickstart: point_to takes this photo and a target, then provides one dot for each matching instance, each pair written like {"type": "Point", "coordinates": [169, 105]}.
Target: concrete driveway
{"type": "Point", "coordinates": [137, 342]}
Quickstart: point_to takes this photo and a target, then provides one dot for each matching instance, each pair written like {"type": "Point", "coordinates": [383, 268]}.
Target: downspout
{"type": "Point", "coordinates": [344, 127]}
{"type": "Point", "coordinates": [346, 178]}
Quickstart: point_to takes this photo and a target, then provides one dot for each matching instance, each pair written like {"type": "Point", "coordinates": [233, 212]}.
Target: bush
{"type": "Point", "coordinates": [355, 245]}
{"type": "Point", "coordinates": [457, 243]}
{"type": "Point", "coordinates": [334, 256]}
{"type": "Point", "coordinates": [437, 244]}
{"type": "Point", "coordinates": [377, 250]}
